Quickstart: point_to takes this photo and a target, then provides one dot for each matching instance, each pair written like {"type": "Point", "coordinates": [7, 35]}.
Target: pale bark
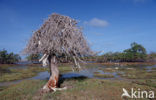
{"type": "Point", "coordinates": [59, 35]}
{"type": "Point", "coordinates": [54, 75]}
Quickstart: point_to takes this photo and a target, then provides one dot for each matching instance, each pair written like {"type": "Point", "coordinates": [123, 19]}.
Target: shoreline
{"type": "Point", "coordinates": [126, 63]}
{"type": "Point", "coordinates": [103, 63]}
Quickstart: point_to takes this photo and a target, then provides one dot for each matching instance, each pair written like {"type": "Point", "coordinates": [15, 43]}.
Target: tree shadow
{"type": "Point", "coordinates": [78, 78]}
{"type": "Point", "coordinates": [4, 70]}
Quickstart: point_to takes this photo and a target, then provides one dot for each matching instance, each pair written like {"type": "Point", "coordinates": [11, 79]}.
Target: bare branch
{"type": "Point", "coordinates": [59, 35]}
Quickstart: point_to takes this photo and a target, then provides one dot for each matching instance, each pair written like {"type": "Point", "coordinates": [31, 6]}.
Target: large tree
{"type": "Point", "coordinates": [136, 53]}
{"type": "Point", "coordinates": [59, 35]}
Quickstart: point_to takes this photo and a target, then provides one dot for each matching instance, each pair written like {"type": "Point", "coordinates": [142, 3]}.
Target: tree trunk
{"type": "Point", "coordinates": [54, 75]}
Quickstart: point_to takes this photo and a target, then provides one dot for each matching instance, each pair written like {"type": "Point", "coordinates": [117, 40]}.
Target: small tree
{"type": "Point", "coordinates": [8, 58]}
{"type": "Point", "coordinates": [33, 57]}
{"type": "Point", "coordinates": [152, 57]}
{"type": "Point", "coordinates": [58, 36]}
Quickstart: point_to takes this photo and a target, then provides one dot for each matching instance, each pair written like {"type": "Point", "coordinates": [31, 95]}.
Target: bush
{"type": "Point", "coordinates": [137, 53]}
{"type": "Point", "coordinates": [8, 58]}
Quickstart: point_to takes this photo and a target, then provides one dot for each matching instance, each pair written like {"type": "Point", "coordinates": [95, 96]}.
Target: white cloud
{"type": "Point", "coordinates": [97, 22]}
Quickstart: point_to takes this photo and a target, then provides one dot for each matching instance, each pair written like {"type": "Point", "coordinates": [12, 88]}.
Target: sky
{"type": "Point", "coordinates": [108, 25]}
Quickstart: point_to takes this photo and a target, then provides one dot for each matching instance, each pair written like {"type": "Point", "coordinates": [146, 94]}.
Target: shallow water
{"type": "Point", "coordinates": [88, 72]}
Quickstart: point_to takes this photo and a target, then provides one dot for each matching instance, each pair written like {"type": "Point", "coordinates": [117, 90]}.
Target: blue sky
{"type": "Point", "coordinates": [108, 25]}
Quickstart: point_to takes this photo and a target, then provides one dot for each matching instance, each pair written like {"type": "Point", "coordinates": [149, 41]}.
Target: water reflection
{"type": "Point", "coordinates": [89, 72]}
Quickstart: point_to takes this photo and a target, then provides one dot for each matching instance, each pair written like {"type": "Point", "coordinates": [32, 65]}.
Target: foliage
{"type": "Point", "coordinates": [33, 57]}
{"type": "Point", "coordinates": [152, 57]}
{"type": "Point", "coordinates": [8, 58]}
{"type": "Point", "coordinates": [137, 53]}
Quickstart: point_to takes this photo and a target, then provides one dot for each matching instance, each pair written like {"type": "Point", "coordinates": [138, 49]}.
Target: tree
{"type": "Point", "coordinates": [33, 57]}
{"type": "Point", "coordinates": [59, 35]}
{"type": "Point", "coordinates": [136, 53]}
{"type": "Point", "coordinates": [152, 57]}
{"type": "Point", "coordinates": [3, 58]}
{"type": "Point", "coordinates": [8, 58]}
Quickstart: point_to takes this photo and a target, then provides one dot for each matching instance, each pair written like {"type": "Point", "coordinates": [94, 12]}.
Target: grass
{"type": "Point", "coordinates": [7, 65]}
{"type": "Point", "coordinates": [147, 82]}
{"type": "Point", "coordinates": [128, 63]}
{"type": "Point", "coordinates": [2, 87]}
{"type": "Point", "coordinates": [153, 69]}
{"type": "Point", "coordinates": [138, 74]}
{"type": "Point", "coordinates": [78, 89]}
{"type": "Point", "coordinates": [21, 91]}
{"type": "Point", "coordinates": [65, 68]}
{"type": "Point", "coordinates": [17, 74]}
{"type": "Point", "coordinates": [108, 70]}
{"type": "Point", "coordinates": [99, 75]}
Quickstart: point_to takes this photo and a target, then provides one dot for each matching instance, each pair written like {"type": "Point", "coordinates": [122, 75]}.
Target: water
{"type": "Point", "coordinates": [88, 72]}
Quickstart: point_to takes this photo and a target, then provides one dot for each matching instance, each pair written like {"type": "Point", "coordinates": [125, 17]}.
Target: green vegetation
{"type": "Point", "coordinates": [78, 89]}
{"type": "Point", "coordinates": [151, 57]}
{"type": "Point", "coordinates": [137, 53]}
{"type": "Point", "coordinates": [33, 57]}
{"type": "Point", "coordinates": [22, 91]}
{"type": "Point", "coordinates": [17, 74]}
{"type": "Point", "coordinates": [8, 58]}
{"type": "Point", "coordinates": [138, 74]}
{"type": "Point", "coordinates": [147, 82]}
{"type": "Point", "coordinates": [65, 68]}
{"type": "Point", "coordinates": [103, 75]}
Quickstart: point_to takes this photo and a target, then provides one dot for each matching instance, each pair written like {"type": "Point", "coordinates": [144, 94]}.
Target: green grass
{"type": "Point", "coordinates": [108, 70]}
{"type": "Point", "coordinates": [96, 72]}
{"type": "Point", "coordinates": [19, 73]}
{"type": "Point", "coordinates": [65, 68]}
{"type": "Point", "coordinates": [153, 68]}
{"type": "Point", "coordinates": [137, 74]}
{"type": "Point", "coordinates": [7, 65]}
{"type": "Point", "coordinates": [147, 82]}
{"type": "Point", "coordinates": [78, 89]}
{"type": "Point", "coordinates": [2, 87]}
{"type": "Point", "coordinates": [103, 75]}
{"type": "Point", "coordinates": [16, 74]}
{"type": "Point", "coordinates": [23, 90]}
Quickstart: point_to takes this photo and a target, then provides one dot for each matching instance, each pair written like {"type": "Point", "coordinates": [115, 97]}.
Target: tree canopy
{"type": "Point", "coordinates": [59, 35]}
{"type": "Point", "coordinates": [8, 58]}
{"type": "Point", "coordinates": [134, 54]}
{"type": "Point", "coordinates": [33, 57]}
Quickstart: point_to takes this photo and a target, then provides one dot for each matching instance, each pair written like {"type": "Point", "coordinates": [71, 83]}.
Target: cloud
{"type": "Point", "coordinates": [97, 22]}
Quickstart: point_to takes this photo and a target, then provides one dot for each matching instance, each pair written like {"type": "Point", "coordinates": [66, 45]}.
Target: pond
{"type": "Point", "coordinates": [93, 71]}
